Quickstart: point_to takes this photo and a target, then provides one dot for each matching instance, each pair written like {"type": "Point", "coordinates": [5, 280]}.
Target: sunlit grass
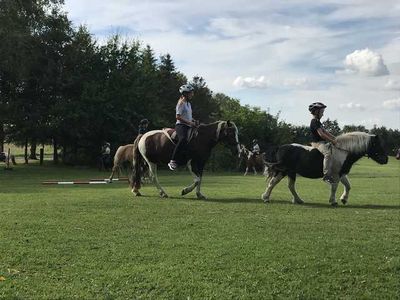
{"type": "Point", "coordinates": [91, 242]}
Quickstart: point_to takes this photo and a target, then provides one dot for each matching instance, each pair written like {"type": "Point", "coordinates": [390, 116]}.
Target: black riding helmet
{"type": "Point", "coordinates": [144, 121]}
{"type": "Point", "coordinates": [315, 106]}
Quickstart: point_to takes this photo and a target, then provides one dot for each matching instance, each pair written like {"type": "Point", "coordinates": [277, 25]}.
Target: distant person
{"type": "Point", "coordinates": [143, 124]}
{"type": "Point", "coordinates": [322, 139]}
{"type": "Point", "coordinates": [256, 147]}
{"type": "Point", "coordinates": [106, 156]}
{"type": "Point", "coordinates": [183, 125]}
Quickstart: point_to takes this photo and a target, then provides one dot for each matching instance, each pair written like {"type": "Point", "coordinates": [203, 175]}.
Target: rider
{"type": "Point", "coordinates": [143, 124]}
{"type": "Point", "coordinates": [256, 147]}
{"type": "Point", "coordinates": [105, 154]}
{"type": "Point", "coordinates": [322, 139]}
{"type": "Point", "coordinates": [184, 122]}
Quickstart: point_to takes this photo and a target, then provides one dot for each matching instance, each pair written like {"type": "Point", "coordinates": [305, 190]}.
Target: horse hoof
{"type": "Point", "coordinates": [344, 201]}
{"type": "Point", "coordinates": [201, 197]}
{"type": "Point", "coordinates": [297, 201]}
{"type": "Point", "coordinates": [163, 195]}
{"type": "Point", "coordinates": [184, 192]}
{"type": "Point", "coordinates": [334, 204]}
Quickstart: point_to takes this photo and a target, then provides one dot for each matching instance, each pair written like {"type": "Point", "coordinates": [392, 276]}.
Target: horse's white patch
{"type": "Point", "coordinates": [308, 148]}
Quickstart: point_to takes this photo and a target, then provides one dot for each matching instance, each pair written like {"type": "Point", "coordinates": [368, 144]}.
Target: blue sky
{"type": "Point", "coordinates": [277, 55]}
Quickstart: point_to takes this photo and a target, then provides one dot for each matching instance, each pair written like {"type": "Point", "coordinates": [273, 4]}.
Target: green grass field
{"type": "Point", "coordinates": [99, 242]}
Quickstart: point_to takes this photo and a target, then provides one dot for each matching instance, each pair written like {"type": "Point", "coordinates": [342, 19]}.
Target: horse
{"type": "Point", "coordinates": [4, 158]}
{"type": "Point", "coordinates": [156, 147]}
{"type": "Point", "coordinates": [253, 161]}
{"type": "Point", "coordinates": [292, 159]}
{"type": "Point", "coordinates": [123, 159]}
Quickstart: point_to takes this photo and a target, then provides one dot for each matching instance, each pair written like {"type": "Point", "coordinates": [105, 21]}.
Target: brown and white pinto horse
{"type": "Point", "coordinates": [253, 161]}
{"type": "Point", "coordinates": [156, 147]}
{"type": "Point", "coordinates": [122, 160]}
{"type": "Point", "coordinates": [292, 159]}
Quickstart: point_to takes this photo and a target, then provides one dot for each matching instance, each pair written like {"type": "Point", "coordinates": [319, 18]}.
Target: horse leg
{"type": "Point", "coordinates": [196, 169]}
{"type": "Point", "coordinates": [196, 180]}
{"type": "Point", "coordinates": [291, 184]}
{"type": "Point", "coordinates": [153, 171]}
{"type": "Point", "coordinates": [199, 172]}
{"type": "Point", "coordinates": [345, 196]}
{"type": "Point", "coordinates": [254, 170]}
{"type": "Point", "coordinates": [247, 170]}
{"type": "Point", "coordinates": [332, 198]}
{"type": "Point", "coordinates": [271, 184]}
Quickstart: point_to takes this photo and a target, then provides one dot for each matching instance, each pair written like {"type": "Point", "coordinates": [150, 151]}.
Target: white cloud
{"type": "Point", "coordinates": [351, 105]}
{"type": "Point", "coordinates": [251, 82]}
{"type": "Point", "coordinates": [392, 104]}
{"type": "Point", "coordinates": [296, 82]}
{"type": "Point", "coordinates": [365, 62]}
{"type": "Point", "coordinates": [392, 84]}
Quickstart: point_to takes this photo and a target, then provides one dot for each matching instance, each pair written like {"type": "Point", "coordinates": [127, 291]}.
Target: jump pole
{"type": "Point", "coordinates": [91, 181]}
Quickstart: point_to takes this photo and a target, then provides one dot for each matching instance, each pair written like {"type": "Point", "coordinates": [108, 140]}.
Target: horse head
{"type": "Point", "coordinates": [228, 134]}
{"type": "Point", "coordinates": [376, 150]}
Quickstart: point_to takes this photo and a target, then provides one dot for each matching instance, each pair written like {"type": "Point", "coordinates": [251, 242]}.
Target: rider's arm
{"type": "Point", "coordinates": [179, 118]}
{"type": "Point", "coordinates": [326, 136]}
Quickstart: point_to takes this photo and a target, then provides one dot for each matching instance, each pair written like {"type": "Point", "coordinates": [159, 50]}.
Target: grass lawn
{"type": "Point", "coordinates": [99, 242]}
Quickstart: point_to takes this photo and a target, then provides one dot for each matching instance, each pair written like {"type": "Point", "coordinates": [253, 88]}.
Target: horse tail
{"type": "Point", "coordinates": [137, 164]}
{"type": "Point", "coordinates": [271, 162]}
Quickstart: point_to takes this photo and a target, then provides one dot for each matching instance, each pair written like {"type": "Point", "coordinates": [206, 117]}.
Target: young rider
{"type": "Point", "coordinates": [322, 139]}
{"type": "Point", "coordinates": [184, 123]}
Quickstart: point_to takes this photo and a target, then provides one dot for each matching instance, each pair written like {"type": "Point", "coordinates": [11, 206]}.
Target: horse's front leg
{"type": "Point", "coordinates": [254, 171]}
{"type": "Point", "coordinates": [190, 187]}
{"type": "Point", "coordinates": [332, 198]}
{"type": "Point", "coordinates": [345, 196]}
{"type": "Point", "coordinates": [271, 184]}
{"type": "Point", "coordinates": [196, 168]}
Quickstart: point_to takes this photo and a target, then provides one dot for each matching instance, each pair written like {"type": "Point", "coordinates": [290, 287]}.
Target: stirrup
{"type": "Point", "coordinates": [172, 166]}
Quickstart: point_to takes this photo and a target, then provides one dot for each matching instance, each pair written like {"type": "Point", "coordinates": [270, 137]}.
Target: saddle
{"type": "Point", "coordinates": [171, 132]}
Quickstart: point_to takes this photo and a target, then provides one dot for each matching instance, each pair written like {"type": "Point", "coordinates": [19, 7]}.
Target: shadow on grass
{"type": "Point", "coordinates": [285, 202]}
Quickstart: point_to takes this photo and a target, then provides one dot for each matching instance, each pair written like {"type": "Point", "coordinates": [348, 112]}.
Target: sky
{"type": "Point", "coordinates": [277, 55]}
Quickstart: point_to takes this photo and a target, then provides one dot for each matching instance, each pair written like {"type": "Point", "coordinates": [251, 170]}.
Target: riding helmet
{"type": "Point", "coordinates": [316, 105]}
{"type": "Point", "coordinates": [186, 88]}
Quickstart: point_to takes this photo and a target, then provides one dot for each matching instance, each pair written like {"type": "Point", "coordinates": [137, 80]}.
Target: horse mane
{"type": "Point", "coordinates": [356, 142]}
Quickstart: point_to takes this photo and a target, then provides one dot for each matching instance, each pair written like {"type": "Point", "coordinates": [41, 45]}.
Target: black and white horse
{"type": "Point", "coordinates": [306, 161]}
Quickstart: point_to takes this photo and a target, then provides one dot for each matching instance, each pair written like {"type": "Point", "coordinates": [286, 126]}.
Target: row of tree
{"type": "Point", "coordinates": [59, 86]}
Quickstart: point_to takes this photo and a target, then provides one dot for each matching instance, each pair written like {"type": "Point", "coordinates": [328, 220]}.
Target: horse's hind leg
{"type": "Point", "coordinates": [153, 171]}
{"type": "Point", "coordinates": [345, 196]}
{"type": "Point", "coordinates": [291, 184]}
{"type": "Point", "coordinates": [271, 184]}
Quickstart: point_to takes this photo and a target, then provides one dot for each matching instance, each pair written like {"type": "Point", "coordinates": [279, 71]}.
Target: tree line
{"type": "Point", "coordinates": [60, 87]}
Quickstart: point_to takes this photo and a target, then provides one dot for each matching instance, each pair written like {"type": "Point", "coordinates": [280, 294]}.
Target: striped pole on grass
{"type": "Point", "coordinates": [91, 181]}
